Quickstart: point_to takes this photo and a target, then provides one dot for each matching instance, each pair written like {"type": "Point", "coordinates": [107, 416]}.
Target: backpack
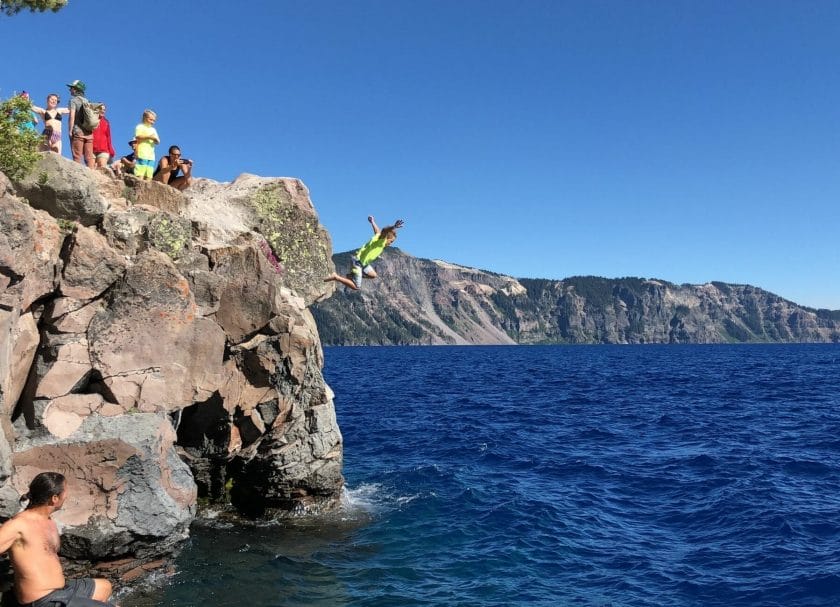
{"type": "Point", "coordinates": [88, 118]}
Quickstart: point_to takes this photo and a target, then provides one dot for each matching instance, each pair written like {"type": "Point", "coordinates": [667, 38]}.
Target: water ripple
{"type": "Point", "coordinates": [622, 476]}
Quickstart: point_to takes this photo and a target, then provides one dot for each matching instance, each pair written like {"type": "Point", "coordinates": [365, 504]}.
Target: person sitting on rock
{"type": "Point", "coordinates": [31, 538]}
{"type": "Point", "coordinates": [174, 170]}
{"type": "Point", "coordinates": [126, 164]}
{"type": "Point", "coordinates": [366, 254]}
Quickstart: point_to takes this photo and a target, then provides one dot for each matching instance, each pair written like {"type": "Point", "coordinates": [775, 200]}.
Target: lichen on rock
{"type": "Point", "coordinates": [278, 209]}
{"type": "Point", "coordinates": [171, 235]}
{"type": "Point", "coordinates": [294, 234]}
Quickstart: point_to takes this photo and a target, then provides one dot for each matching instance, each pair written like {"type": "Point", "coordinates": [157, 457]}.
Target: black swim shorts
{"type": "Point", "coordinates": [76, 593]}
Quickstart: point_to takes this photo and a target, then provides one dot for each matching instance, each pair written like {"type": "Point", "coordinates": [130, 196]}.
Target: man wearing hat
{"type": "Point", "coordinates": [125, 165]}
{"type": "Point", "coordinates": [81, 143]}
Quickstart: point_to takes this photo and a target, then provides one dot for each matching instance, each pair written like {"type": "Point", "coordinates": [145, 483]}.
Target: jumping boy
{"type": "Point", "coordinates": [365, 255]}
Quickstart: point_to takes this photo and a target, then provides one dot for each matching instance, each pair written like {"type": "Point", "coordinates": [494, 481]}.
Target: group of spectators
{"type": "Point", "coordinates": [95, 148]}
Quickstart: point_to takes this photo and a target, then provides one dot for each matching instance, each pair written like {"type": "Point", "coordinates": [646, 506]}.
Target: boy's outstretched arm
{"type": "Point", "coordinates": [396, 225]}
{"type": "Point", "coordinates": [372, 222]}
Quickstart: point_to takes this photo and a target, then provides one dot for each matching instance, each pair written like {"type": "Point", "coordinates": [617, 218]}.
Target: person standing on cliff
{"type": "Point", "coordinates": [52, 123]}
{"type": "Point", "coordinates": [32, 541]}
{"type": "Point", "coordinates": [366, 254]}
{"type": "Point", "coordinates": [81, 143]}
{"type": "Point", "coordinates": [147, 138]}
{"type": "Point", "coordinates": [103, 148]}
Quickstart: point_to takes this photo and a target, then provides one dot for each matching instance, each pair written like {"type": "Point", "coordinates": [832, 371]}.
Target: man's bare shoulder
{"type": "Point", "coordinates": [17, 520]}
{"type": "Point", "coordinates": [13, 531]}
{"type": "Point", "coordinates": [23, 521]}
{"type": "Point", "coordinates": [24, 516]}
{"type": "Point", "coordinates": [24, 528]}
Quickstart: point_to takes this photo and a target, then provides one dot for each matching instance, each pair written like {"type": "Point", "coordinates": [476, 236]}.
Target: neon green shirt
{"type": "Point", "coordinates": [145, 149]}
{"type": "Point", "coordinates": [371, 249]}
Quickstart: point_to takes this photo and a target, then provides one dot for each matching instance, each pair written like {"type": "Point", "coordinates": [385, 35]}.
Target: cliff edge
{"type": "Point", "coordinates": [157, 348]}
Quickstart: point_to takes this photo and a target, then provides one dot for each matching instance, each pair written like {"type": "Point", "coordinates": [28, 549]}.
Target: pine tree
{"type": "Point", "coordinates": [12, 7]}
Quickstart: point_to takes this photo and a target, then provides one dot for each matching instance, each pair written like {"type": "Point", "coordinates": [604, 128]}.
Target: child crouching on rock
{"type": "Point", "coordinates": [365, 255]}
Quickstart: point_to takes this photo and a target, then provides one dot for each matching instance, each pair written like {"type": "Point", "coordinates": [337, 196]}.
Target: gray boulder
{"type": "Point", "coordinates": [130, 494]}
{"type": "Point", "coordinates": [65, 189]}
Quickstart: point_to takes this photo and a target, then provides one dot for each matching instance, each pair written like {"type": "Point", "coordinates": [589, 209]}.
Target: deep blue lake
{"type": "Point", "coordinates": [579, 475]}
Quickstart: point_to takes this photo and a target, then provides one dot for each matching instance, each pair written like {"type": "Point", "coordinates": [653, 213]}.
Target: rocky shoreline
{"type": "Point", "coordinates": [157, 349]}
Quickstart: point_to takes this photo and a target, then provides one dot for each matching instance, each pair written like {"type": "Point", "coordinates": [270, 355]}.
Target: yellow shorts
{"type": "Point", "coordinates": [144, 168]}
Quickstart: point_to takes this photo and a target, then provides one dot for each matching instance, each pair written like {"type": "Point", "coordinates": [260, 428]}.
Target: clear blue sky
{"type": "Point", "coordinates": [684, 140]}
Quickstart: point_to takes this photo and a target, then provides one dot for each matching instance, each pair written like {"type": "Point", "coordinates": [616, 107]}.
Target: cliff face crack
{"type": "Point", "coordinates": [143, 371]}
{"type": "Point", "coordinates": [93, 383]}
{"type": "Point", "coordinates": [67, 250]}
{"type": "Point", "coordinates": [204, 432]}
{"type": "Point", "coordinates": [14, 277]}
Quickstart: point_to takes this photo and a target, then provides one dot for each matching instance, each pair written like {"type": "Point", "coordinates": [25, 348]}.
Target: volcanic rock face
{"type": "Point", "coordinates": [423, 301]}
{"type": "Point", "coordinates": [155, 348]}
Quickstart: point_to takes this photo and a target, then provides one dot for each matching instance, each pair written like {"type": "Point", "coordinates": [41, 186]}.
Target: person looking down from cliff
{"type": "Point", "coordinates": [147, 138]}
{"type": "Point", "coordinates": [31, 539]}
{"type": "Point", "coordinates": [366, 254]}
{"type": "Point", "coordinates": [126, 164]}
{"type": "Point", "coordinates": [173, 170]}
{"type": "Point", "coordinates": [103, 148]}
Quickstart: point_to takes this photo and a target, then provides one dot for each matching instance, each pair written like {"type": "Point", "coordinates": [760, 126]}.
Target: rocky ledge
{"type": "Point", "coordinates": [157, 349]}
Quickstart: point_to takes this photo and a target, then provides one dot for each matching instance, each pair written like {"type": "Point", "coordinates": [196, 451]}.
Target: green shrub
{"type": "Point", "coordinates": [18, 145]}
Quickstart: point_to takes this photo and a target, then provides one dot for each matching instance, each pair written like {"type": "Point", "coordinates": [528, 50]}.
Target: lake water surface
{"type": "Point", "coordinates": [581, 475]}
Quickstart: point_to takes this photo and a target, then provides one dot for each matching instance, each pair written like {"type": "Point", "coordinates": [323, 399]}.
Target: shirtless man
{"type": "Point", "coordinates": [31, 538]}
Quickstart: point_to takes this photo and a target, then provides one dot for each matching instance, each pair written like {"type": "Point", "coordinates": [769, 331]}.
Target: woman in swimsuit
{"type": "Point", "coordinates": [52, 123]}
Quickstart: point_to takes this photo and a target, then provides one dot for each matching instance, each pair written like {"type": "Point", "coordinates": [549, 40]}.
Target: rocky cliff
{"type": "Point", "coordinates": [420, 301]}
{"type": "Point", "coordinates": [157, 348]}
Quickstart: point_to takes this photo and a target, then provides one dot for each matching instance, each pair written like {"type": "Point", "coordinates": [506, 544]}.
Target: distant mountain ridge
{"type": "Point", "coordinates": [423, 301]}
